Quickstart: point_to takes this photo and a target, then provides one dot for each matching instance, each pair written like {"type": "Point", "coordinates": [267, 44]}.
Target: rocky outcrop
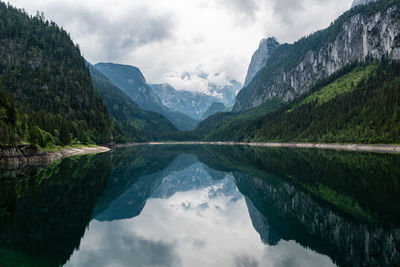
{"type": "Point", "coordinates": [260, 57]}
{"type": "Point", "coordinates": [352, 38]}
{"type": "Point", "coordinates": [29, 155]}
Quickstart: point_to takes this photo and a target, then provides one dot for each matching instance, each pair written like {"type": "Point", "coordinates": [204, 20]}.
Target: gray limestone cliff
{"type": "Point", "coordinates": [293, 69]}
{"type": "Point", "coordinates": [260, 57]}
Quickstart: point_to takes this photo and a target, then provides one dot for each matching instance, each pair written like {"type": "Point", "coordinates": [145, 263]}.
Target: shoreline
{"type": "Point", "coordinates": [378, 148]}
{"type": "Point", "coordinates": [18, 158]}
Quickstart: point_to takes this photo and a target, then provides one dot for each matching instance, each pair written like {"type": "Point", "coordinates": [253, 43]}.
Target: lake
{"type": "Point", "coordinates": [204, 206]}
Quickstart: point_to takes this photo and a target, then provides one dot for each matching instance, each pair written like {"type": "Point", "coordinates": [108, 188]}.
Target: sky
{"type": "Point", "coordinates": [185, 43]}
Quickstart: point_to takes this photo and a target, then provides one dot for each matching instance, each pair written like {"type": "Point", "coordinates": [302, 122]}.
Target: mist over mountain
{"type": "Point", "coordinates": [192, 103]}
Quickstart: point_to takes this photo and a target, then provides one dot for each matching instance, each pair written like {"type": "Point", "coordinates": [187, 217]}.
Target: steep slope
{"type": "Point", "coordinates": [365, 31]}
{"type": "Point", "coordinates": [132, 82]}
{"type": "Point", "coordinates": [260, 57]}
{"type": "Point", "coordinates": [130, 122]}
{"type": "Point", "coordinates": [214, 108]}
{"type": "Point", "coordinates": [43, 70]}
{"type": "Point", "coordinates": [193, 104]}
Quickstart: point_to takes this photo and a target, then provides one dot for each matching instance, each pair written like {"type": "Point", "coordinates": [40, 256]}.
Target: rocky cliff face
{"type": "Point", "coordinates": [260, 58]}
{"type": "Point", "coordinates": [356, 35]}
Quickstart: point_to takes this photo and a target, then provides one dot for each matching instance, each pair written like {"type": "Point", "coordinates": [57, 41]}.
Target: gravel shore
{"type": "Point", "coordinates": [345, 147]}
{"type": "Point", "coordinates": [17, 158]}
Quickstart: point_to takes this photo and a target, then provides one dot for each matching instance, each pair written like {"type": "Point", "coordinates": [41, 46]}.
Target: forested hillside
{"type": "Point", "coordinates": [359, 104]}
{"type": "Point", "coordinates": [130, 123]}
{"type": "Point", "coordinates": [47, 96]}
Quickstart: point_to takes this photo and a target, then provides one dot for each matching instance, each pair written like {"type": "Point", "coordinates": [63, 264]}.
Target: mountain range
{"type": "Point", "coordinates": [339, 84]}
{"type": "Point", "coordinates": [132, 82]}
{"type": "Point", "coordinates": [193, 104]}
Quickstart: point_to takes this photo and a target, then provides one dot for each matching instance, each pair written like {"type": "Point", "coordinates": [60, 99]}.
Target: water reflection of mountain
{"type": "Point", "coordinates": [296, 215]}
{"type": "Point", "coordinates": [279, 184]}
{"type": "Point", "coordinates": [185, 173]}
{"type": "Point", "coordinates": [300, 195]}
{"type": "Point", "coordinates": [344, 205]}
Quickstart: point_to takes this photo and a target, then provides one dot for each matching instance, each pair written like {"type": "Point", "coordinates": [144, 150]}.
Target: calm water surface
{"type": "Point", "coordinates": [203, 206]}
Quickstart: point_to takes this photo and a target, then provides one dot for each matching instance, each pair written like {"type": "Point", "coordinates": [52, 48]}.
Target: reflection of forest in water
{"type": "Point", "coordinates": [341, 204]}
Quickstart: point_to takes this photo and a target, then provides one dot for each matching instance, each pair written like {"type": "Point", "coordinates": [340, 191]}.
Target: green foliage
{"type": "Point", "coordinates": [8, 117]}
{"type": "Point", "coordinates": [44, 71]}
{"type": "Point", "coordinates": [345, 84]}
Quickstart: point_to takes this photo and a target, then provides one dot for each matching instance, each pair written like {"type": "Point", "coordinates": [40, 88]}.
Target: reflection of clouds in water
{"type": "Point", "coordinates": [290, 253]}
{"type": "Point", "coordinates": [245, 261]}
{"type": "Point", "coordinates": [192, 228]}
{"type": "Point", "coordinates": [108, 244]}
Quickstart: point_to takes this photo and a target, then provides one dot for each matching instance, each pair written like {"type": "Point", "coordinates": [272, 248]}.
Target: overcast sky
{"type": "Point", "coordinates": [168, 38]}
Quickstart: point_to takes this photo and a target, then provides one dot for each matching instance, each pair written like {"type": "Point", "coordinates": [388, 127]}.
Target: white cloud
{"type": "Point", "coordinates": [167, 38]}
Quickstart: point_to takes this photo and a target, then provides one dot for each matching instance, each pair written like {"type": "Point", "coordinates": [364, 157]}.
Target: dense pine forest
{"type": "Point", "coordinates": [47, 96]}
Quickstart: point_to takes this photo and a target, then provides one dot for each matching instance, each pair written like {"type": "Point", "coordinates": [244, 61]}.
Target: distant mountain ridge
{"type": "Point", "coordinates": [132, 82]}
{"type": "Point", "coordinates": [193, 104]}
